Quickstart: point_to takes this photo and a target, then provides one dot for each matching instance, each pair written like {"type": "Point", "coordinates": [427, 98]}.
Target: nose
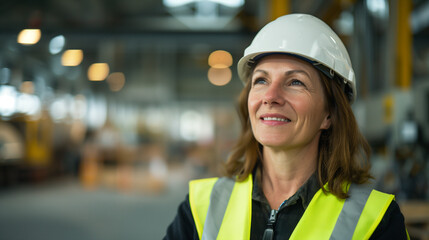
{"type": "Point", "coordinates": [274, 95]}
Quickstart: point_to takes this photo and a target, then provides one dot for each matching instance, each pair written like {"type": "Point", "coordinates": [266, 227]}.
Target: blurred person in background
{"type": "Point", "coordinates": [300, 169]}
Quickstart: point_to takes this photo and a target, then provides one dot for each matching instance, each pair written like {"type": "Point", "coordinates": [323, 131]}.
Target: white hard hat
{"type": "Point", "coordinates": [306, 37]}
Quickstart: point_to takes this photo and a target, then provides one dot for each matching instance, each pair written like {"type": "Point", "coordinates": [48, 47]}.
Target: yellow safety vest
{"type": "Point", "coordinates": [222, 209]}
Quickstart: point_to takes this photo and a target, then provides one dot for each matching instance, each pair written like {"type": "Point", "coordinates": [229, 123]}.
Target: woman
{"type": "Point", "coordinates": [300, 168]}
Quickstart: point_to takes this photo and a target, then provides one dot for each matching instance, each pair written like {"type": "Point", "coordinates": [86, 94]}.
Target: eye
{"type": "Point", "coordinates": [296, 82]}
{"type": "Point", "coordinates": [259, 81]}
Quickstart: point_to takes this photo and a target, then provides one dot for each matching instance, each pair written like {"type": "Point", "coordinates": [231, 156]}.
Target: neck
{"type": "Point", "coordinates": [284, 172]}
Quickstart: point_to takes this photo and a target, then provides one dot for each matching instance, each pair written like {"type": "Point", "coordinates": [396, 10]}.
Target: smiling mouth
{"type": "Point", "coordinates": [276, 119]}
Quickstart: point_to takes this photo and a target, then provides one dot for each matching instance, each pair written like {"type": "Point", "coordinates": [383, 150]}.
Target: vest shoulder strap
{"type": "Point", "coordinates": [353, 218]}
{"type": "Point", "coordinates": [319, 217]}
{"type": "Point", "coordinates": [215, 216]}
{"type": "Point", "coordinates": [372, 214]}
{"type": "Point", "coordinates": [199, 200]}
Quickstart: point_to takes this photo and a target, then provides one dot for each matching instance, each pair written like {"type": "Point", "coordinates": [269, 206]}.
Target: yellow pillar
{"type": "Point", "coordinates": [278, 8]}
{"type": "Point", "coordinates": [404, 45]}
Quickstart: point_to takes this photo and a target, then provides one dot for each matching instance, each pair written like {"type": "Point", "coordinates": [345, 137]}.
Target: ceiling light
{"type": "Point", "coordinates": [219, 76]}
{"type": "Point", "coordinates": [220, 59]}
{"type": "Point", "coordinates": [72, 57]}
{"type": "Point", "coordinates": [98, 71]}
{"type": "Point", "coordinates": [116, 81]}
{"type": "Point", "coordinates": [379, 8]}
{"type": "Point", "coordinates": [179, 3]}
{"type": "Point", "coordinates": [56, 44]}
{"type": "Point", "coordinates": [29, 36]}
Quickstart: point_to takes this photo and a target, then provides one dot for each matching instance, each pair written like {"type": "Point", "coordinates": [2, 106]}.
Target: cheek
{"type": "Point", "coordinates": [318, 110]}
{"type": "Point", "coordinates": [252, 103]}
{"type": "Point", "coordinates": [302, 104]}
{"type": "Point", "coordinates": [310, 107]}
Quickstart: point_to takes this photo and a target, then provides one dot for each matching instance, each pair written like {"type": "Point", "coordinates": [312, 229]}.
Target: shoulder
{"type": "Point", "coordinates": [381, 206]}
{"type": "Point", "coordinates": [183, 226]}
{"type": "Point", "coordinates": [392, 225]}
{"type": "Point", "coordinates": [201, 188]}
{"type": "Point", "coordinates": [382, 209]}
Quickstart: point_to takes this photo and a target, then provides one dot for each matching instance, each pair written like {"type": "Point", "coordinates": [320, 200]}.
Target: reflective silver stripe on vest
{"type": "Point", "coordinates": [219, 199]}
{"type": "Point", "coordinates": [350, 213]}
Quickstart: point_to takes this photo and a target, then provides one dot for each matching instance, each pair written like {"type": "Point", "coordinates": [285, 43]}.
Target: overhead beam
{"type": "Point", "coordinates": [278, 8]}
{"type": "Point", "coordinates": [403, 44]}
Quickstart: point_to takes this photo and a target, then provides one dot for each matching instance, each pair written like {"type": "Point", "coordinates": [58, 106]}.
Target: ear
{"type": "Point", "coordinates": [326, 123]}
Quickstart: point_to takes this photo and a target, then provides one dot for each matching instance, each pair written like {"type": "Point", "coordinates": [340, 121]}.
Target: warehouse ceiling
{"type": "Point", "coordinates": [161, 50]}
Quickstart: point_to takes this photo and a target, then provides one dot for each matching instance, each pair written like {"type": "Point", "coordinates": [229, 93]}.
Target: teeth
{"type": "Point", "coordinates": [276, 119]}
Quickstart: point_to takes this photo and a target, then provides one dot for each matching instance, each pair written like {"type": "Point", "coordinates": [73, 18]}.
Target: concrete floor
{"type": "Point", "coordinates": [64, 210]}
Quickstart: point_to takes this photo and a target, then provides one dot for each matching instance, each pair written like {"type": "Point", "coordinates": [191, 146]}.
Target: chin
{"type": "Point", "coordinates": [272, 142]}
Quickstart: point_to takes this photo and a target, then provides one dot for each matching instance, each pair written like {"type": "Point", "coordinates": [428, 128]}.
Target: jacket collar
{"type": "Point", "coordinates": [305, 193]}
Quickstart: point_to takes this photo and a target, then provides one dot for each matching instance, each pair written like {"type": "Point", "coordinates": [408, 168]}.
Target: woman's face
{"type": "Point", "coordinates": [286, 103]}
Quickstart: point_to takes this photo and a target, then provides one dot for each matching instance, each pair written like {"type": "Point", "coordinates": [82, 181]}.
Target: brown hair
{"type": "Point", "coordinates": [343, 151]}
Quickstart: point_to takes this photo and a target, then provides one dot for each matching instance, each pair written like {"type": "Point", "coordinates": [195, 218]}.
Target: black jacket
{"type": "Point", "coordinates": [183, 227]}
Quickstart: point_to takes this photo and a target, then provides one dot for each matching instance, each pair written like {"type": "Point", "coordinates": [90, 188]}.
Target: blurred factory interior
{"type": "Point", "coordinates": [109, 107]}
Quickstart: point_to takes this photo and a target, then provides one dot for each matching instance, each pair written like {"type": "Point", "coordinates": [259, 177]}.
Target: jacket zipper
{"type": "Point", "coordinates": [269, 231]}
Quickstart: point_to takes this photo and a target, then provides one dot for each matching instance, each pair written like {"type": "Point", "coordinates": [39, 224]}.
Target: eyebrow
{"type": "Point", "coordinates": [287, 73]}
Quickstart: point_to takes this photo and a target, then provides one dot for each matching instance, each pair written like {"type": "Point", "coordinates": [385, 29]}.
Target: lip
{"type": "Point", "coordinates": [274, 119]}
